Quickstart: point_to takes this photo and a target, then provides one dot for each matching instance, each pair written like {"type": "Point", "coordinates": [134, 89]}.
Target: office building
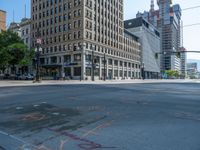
{"type": "Point", "coordinates": [168, 21]}
{"type": "Point", "coordinates": [84, 39]}
{"type": "Point", "coordinates": [192, 70]}
{"type": "Point", "coordinates": [149, 38]}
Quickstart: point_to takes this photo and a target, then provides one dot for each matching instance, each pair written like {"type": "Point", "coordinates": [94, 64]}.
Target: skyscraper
{"type": "Point", "coordinates": [168, 21]}
{"type": "Point", "coordinates": [170, 34]}
{"type": "Point", "coordinates": [77, 35]}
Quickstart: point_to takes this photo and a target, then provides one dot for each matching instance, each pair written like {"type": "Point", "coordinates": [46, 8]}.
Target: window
{"type": "Point", "coordinates": [77, 71]}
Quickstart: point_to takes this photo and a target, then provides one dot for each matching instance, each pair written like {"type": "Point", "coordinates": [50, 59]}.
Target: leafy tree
{"type": "Point", "coordinates": [27, 60]}
{"type": "Point", "coordinates": [8, 37]}
{"type": "Point", "coordinates": [13, 51]}
{"type": "Point", "coordinates": [4, 59]}
{"type": "Point", "coordinates": [17, 52]}
{"type": "Point", "coordinates": [172, 73]}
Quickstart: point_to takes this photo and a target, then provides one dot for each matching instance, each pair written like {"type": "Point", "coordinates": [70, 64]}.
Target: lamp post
{"type": "Point", "coordinates": [104, 65]}
{"type": "Point", "coordinates": [142, 71]}
{"type": "Point", "coordinates": [93, 67]}
{"type": "Point", "coordinates": [38, 51]}
{"type": "Point", "coordinates": [83, 62]}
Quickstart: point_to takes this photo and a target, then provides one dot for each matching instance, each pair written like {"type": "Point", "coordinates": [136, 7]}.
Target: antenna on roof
{"type": "Point", "coordinates": [13, 15]}
{"type": "Point", "coordinates": [25, 10]}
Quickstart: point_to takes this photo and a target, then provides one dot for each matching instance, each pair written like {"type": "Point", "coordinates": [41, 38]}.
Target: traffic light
{"type": "Point", "coordinates": [156, 55]}
{"type": "Point", "coordinates": [178, 54]}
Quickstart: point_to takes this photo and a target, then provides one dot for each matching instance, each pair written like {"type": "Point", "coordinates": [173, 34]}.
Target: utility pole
{"type": "Point", "coordinates": [104, 63]}
{"type": "Point", "coordinates": [93, 63]}
{"type": "Point", "coordinates": [142, 72]}
{"type": "Point", "coordinates": [38, 43]}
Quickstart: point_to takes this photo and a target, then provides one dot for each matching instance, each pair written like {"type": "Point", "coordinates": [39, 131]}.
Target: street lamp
{"type": "Point", "coordinates": [142, 71]}
{"type": "Point", "coordinates": [83, 72]}
{"type": "Point", "coordinates": [104, 64]}
{"type": "Point", "coordinates": [93, 64]}
{"type": "Point", "coordinates": [38, 50]}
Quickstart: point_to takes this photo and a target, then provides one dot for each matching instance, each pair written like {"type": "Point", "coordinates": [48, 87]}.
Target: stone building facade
{"type": "Point", "coordinates": [84, 38]}
{"type": "Point", "coordinates": [149, 38]}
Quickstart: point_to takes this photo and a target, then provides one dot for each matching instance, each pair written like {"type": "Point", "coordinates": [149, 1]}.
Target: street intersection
{"type": "Point", "coordinates": [128, 116]}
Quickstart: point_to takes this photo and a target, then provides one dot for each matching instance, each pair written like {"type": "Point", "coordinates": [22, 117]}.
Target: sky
{"type": "Point", "coordinates": [131, 7]}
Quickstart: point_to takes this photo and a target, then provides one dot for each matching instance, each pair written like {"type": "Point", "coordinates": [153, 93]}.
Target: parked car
{"type": "Point", "coordinates": [25, 77]}
{"type": "Point", "coordinates": [1, 76]}
{"type": "Point", "coordinates": [6, 76]}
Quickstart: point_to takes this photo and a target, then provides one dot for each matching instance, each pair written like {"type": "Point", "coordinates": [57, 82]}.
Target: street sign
{"type": "Point", "coordinates": [39, 41]}
{"type": "Point", "coordinates": [71, 64]}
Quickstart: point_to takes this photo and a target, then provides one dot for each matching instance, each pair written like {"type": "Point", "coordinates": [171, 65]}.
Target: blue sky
{"type": "Point", "coordinates": [191, 34]}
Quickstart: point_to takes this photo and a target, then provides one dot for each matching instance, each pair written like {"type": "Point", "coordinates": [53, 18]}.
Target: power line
{"type": "Point", "coordinates": [194, 7]}
{"type": "Point", "coordinates": [190, 8]}
{"type": "Point", "coordinates": [190, 25]}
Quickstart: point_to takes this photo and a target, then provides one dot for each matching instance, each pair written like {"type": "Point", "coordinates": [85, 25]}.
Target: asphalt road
{"type": "Point", "coordinates": [101, 117]}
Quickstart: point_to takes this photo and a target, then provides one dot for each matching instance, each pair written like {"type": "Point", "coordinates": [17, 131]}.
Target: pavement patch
{"type": "Point", "coordinates": [1, 148]}
{"type": "Point", "coordinates": [35, 118]}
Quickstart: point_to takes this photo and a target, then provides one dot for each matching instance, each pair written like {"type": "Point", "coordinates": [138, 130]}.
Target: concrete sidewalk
{"type": "Point", "coordinates": [13, 83]}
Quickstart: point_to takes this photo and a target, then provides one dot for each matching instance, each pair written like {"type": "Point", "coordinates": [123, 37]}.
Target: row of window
{"type": "Point", "coordinates": [25, 32]}
{"type": "Point", "coordinates": [53, 3]}
{"type": "Point", "coordinates": [60, 18]}
{"type": "Point", "coordinates": [78, 47]}
{"type": "Point", "coordinates": [77, 58]}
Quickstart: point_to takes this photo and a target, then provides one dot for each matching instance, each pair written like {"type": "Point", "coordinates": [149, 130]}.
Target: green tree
{"type": "Point", "coordinates": [27, 60]}
{"type": "Point", "coordinates": [172, 73]}
{"type": "Point", "coordinates": [4, 59]}
{"type": "Point", "coordinates": [17, 52]}
{"type": "Point", "coordinates": [8, 37]}
{"type": "Point", "coordinates": [13, 51]}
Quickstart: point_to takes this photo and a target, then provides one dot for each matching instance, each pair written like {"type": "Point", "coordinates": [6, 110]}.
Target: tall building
{"type": "Point", "coordinates": [168, 21]}
{"type": "Point", "coordinates": [77, 35]}
{"type": "Point", "coordinates": [2, 20]}
{"type": "Point", "coordinates": [192, 70]}
{"type": "Point", "coordinates": [170, 32]}
{"type": "Point", "coordinates": [149, 38]}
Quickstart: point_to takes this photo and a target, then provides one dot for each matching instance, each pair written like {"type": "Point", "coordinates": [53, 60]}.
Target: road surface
{"type": "Point", "coordinates": [153, 116]}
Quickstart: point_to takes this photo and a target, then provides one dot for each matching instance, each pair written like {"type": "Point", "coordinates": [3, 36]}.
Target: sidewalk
{"type": "Point", "coordinates": [13, 83]}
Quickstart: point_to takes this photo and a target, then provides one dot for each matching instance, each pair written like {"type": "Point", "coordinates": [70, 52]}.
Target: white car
{"type": "Point", "coordinates": [26, 77]}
